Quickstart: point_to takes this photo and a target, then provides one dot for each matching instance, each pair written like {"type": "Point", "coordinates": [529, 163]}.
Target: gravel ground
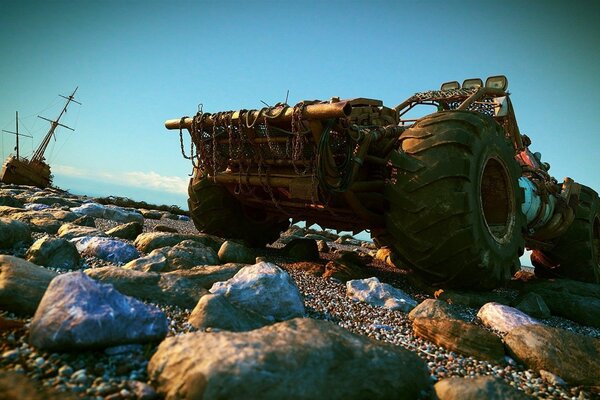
{"type": "Point", "coordinates": [120, 373]}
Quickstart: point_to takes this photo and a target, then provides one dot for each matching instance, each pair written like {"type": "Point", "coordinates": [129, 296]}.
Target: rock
{"type": "Point", "coordinates": [350, 266]}
{"type": "Point", "coordinates": [164, 228]}
{"type": "Point", "coordinates": [575, 358]}
{"type": "Point", "coordinates": [297, 359]}
{"type": "Point", "coordinates": [113, 250]}
{"type": "Point", "coordinates": [86, 220]}
{"type": "Point", "coordinates": [15, 386]}
{"type": "Point", "coordinates": [386, 255]}
{"type": "Point", "coordinates": [77, 312]}
{"type": "Point", "coordinates": [185, 255]}
{"type": "Point", "coordinates": [432, 308]}
{"type": "Point", "coordinates": [477, 388]}
{"type": "Point", "coordinates": [310, 268]}
{"type": "Point", "coordinates": [302, 249]}
{"type": "Point", "coordinates": [206, 276]}
{"type": "Point", "coordinates": [128, 231]}
{"type": "Point", "coordinates": [561, 286]}
{"type": "Point", "coordinates": [235, 253]}
{"type": "Point", "coordinates": [54, 201]}
{"type": "Point", "coordinates": [503, 319]}
{"type": "Point", "coordinates": [164, 289]}
{"type": "Point", "coordinates": [13, 233]}
{"type": "Point", "coordinates": [322, 246]}
{"type": "Point", "coordinates": [22, 284]}
{"type": "Point", "coordinates": [114, 213]}
{"type": "Point", "coordinates": [471, 299]}
{"type": "Point", "coordinates": [551, 378]}
{"type": "Point", "coordinates": [461, 337]}
{"type": "Point", "coordinates": [265, 289]}
{"type": "Point", "coordinates": [150, 214]}
{"type": "Point", "coordinates": [146, 242]}
{"type": "Point", "coordinates": [142, 391]}
{"type": "Point", "coordinates": [48, 221]}
{"type": "Point", "coordinates": [10, 201]}
{"type": "Point", "coordinates": [581, 309]}
{"type": "Point", "coordinates": [534, 305]}
{"type": "Point", "coordinates": [169, 215]}
{"type": "Point", "coordinates": [36, 207]}
{"type": "Point", "coordinates": [54, 252]}
{"type": "Point", "coordinates": [183, 218]}
{"type": "Point", "coordinates": [71, 231]}
{"type": "Point", "coordinates": [215, 311]}
{"type": "Point", "coordinates": [379, 294]}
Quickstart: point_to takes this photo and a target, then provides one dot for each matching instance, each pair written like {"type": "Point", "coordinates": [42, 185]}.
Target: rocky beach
{"type": "Point", "coordinates": [100, 299]}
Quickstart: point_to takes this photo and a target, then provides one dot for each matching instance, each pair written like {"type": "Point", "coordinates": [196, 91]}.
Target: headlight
{"type": "Point", "coordinates": [472, 83]}
{"type": "Point", "coordinates": [497, 82]}
{"type": "Point", "coordinates": [450, 85]}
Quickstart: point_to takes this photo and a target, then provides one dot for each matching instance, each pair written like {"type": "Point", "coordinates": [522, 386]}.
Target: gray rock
{"type": "Point", "coordinates": [71, 231]}
{"type": "Point", "coordinates": [48, 221]}
{"type": "Point", "coordinates": [379, 294]}
{"type": "Point", "coordinates": [432, 308]}
{"type": "Point", "coordinates": [207, 276]}
{"type": "Point", "coordinates": [297, 359]}
{"type": "Point", "coordinates": [54, 252]}
{"type": "Point", "coordinates": [13, 233]}
{"type": "Point", "coordinates": [472, 299]}
{"type": "Point", "coordinates": [113, 250]}
{"type": "Point", "coordinates": [302, 249]}
{"type": "Point", "coordinates": [22, 284]}
{"type": "Point", "coordinates": [142, 391]}
{"type": "Point", "coordinates": [534, 305]}
{"type": "Point", "coordinates": [503, 318]}
{"type": "Point", "coordinates": [54, 201]}
{"type": "Point", "coordinates": [146, 242]}
{"type": "Point", "coordinates": [128, 231]}
{"type": "Point", "coordinates": [86, 220]}
{"type": "Point", "coordinates": [77, 312]}
{"type": "Point", "coordinates": [10, 201]}
{"type": "Point", "coordinates": [265, 289]}
{"type": "Point", "coordinates": [575, 358]}
{"type": "Point", "coordinates": [482, 387]}
{"type": "Point", "coordinates": [36, 207]}
{"type": "Point", "coordinates": [150, 214]}
{"type": "Point", "coordinates": [215, 311]}
{"type": "Point", "coordinates": [581, 309]}
{"type": "Point", "coordinates": [185, 255]}
{"type": "Point", "coordinates": [164, 289]}
{"type": "Point", "coordinates": [118, 214]}
{"type": "Point", "coordinates": [232, 252]}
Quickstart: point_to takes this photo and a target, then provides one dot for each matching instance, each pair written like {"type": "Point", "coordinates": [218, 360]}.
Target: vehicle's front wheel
{"type": "Point", "coordinates": [457, 220]}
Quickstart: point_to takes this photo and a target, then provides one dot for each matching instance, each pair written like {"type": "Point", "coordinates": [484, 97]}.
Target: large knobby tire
{"type": "Point", "coordinates": [217, 212]}
{"type": "Point", "coordinates": [457, 220]}
{"type": "Point", "coordinates": [576, 254]}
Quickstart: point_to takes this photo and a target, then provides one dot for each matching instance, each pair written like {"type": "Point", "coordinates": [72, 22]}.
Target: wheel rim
{"type": "Point", "coordinates": [497, 200]}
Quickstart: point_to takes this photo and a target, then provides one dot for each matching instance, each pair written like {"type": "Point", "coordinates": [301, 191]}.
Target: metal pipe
{"type": "Point", "coordinates": [340, 109]}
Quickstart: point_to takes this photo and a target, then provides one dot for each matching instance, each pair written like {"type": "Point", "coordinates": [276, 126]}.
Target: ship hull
{"type": "Point", "coordinates": [24, 172]}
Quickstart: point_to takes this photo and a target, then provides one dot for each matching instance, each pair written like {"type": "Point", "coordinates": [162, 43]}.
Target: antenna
{"type": "Point", "coordinates": [286, 96]}
{"type": "Point", "coordinates": [17, 134]}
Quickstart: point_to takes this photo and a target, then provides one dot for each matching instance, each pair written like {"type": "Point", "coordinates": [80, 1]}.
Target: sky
{"type": "Point", "coordinates": [138, 63]}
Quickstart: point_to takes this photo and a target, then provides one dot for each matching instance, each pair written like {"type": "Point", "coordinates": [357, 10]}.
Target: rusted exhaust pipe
{"type": "Point", "coordinates": [340, 109]}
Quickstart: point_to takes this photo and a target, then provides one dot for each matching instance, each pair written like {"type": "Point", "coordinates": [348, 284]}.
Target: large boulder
{"type": "Point", "coordinates": [216, 312]}
{"type": "Point", "coordinates": [575, 358]}
{"type": "Point", "coordinates": [378, 294]}
{"type": "Point", "coordinates": [48, 221]}
{"type": "Point", "coordinates": [432, 308]}
{"type": "Point", "coordinates": [13, 233]}
{"type": "Point", "coordinates": [118, 214]}
{"type": "Point", "coordinates": [71, 231]}
{"type": "Point", "coordinates": [350, 266]}
{"type": "Point", "coordinates": [22, 284]}
{"type": "Point", "coordinates": [477, 388]}
{"type": "Point", "coordinates": [185, 255]}
{"type": "Point", "coordinates": [265, 289]}
{"type": "Point", "coordinates": [461, 337]}
{"type": "Point", "coordinates": [113, 250]}
{"type": "Point", "coordinates": [503, 318]}
{"type": "Point", "coordinates": [128, 231]}
{"type": "Point", "coordinates": [472, 299]}
{"type": "Point", "coordinates": [163, 289]}
{"type": "Point", "coordinates": [77, 312]}
{"type": "Point", "coordinates": [534, 305]}
{"type": "Point", "coordinates": [146, 242]}
{"type": "Point", "coordinates": [54, 201]}
{"type": "Point", "coordinates": [233, 252]}
{"type": "Point", "coordinates": [53, 252]}
{"type": "Point", "coordinates": [298, 359]}
{"type": "Point", "coordinates": [302, 249]}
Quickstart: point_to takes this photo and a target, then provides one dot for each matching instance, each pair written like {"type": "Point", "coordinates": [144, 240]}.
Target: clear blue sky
{"type": "Point", "coordinates": [138, 63]}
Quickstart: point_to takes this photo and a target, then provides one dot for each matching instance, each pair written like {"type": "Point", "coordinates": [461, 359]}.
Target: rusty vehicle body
{"type": "Point", "coordinates": [456, 194]}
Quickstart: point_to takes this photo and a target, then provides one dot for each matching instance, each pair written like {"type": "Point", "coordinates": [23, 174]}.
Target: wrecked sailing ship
{"type": "Point", "coordinates": [34, 171]}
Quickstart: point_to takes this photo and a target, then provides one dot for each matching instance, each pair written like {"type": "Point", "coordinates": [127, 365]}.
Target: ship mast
{"type": "Point", "coordinates": [38, 156]}
{"type": "Point", "coordinates": [16, 133]}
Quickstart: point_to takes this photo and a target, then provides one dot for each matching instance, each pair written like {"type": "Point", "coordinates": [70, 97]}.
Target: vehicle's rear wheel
{"type": "Point", "coordinates": [216, 211]}
{"type": "Point", "coordinates": [576, 254]}
{"type": "Point", "coordinates": [457, 220]}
